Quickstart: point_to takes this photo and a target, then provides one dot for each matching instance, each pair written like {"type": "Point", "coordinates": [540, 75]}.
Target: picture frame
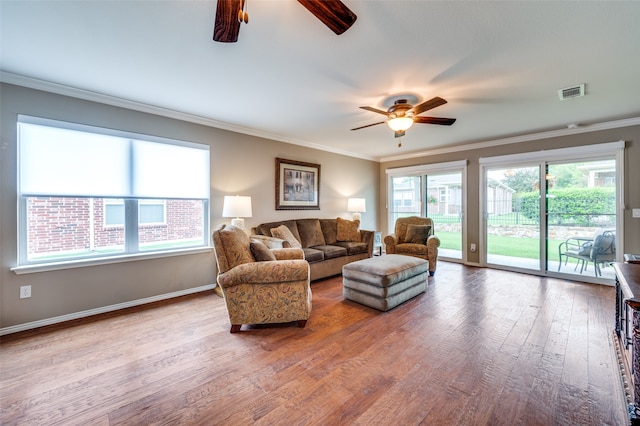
{"type": "Point", "coordinates": [297, 185]}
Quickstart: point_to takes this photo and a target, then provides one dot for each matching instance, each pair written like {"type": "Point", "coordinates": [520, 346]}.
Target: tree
{"type": "Point", "coordinates": [523, 179]}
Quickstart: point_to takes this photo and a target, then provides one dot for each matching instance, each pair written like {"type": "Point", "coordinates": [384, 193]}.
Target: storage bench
{"type": "Point", "coordinates": [384, 282]}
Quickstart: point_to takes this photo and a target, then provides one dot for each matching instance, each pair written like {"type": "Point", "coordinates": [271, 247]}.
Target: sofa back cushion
{"type": "Point", "coordinates": [310, 232]}
{"type": "Point", "coordinates": [232, 247]}
{"type": "Point", "coordinates": [329, 230]}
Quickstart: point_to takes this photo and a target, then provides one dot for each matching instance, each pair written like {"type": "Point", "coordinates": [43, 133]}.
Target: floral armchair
{"type": "Point", "coordinates": [260, 285]}
{"type": "Point", "coordinates": [414, 236]}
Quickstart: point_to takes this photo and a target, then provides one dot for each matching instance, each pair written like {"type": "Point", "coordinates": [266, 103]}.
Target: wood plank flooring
{"type": "Point", "coordinates": [480, 347]}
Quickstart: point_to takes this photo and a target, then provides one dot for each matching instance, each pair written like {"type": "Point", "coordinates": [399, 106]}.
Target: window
{"type": "Point", "coordinates": [444, 195]}
{"type": "Point", "coordinates": [87, 192]}
{"type": "Point", "coordinates": [150, 212]}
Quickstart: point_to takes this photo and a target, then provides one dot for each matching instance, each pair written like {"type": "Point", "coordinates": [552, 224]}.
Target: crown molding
{"type": "Point", "coordinates": [60, 89]}
{"type": "Point", "coordinates": [87, 95]}
{"type": "Point", "coordinates": [521, 138]}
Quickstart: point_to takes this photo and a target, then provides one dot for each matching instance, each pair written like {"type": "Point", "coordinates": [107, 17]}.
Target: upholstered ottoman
{"type": "Point", "coordinates": [384, 282]}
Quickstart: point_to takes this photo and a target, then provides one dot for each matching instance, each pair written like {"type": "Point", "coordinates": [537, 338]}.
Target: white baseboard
{"type": "Point", "coordinates": [102, 310]}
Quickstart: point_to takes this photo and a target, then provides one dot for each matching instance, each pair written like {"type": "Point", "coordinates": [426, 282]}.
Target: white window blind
{"type": "Point", "coordinates": [56, 161]}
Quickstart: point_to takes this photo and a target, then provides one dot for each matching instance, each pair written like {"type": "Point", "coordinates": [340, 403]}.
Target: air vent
{"type": "Point", "coordinates": [571, 92]}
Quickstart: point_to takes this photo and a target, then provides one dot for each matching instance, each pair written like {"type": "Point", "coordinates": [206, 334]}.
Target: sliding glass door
{"type": "Point", "coordinates": [553, 212]}
{"type": "Point", "coordinates": [436, 191]}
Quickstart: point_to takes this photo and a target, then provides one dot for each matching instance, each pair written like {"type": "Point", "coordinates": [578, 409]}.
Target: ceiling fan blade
{"type": "Point", "coordinates": [430, 104]}
{"type": "Point", "coordinates": [399, 134]}
{"type": "Point", "coordinates": [227, 26]}
{"type": "Point", "coordinates": [435, 120]}
{"type": "Point", "coordinates": [333, 13]}
{"type": "Point", "coordinates": [379, 111]}
{"type": "Point", "coordinates": [368, 125]}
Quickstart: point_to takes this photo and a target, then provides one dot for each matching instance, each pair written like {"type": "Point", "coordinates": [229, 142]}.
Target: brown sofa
{"type": "Point", "coordinates": [318, 239]}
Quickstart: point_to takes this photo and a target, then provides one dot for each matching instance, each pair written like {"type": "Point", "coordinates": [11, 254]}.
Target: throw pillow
{"type": "Point", "coordinates": [417, 234]}
{"type": "Point", "coordinates": [348, 230]}
{"type": "Point", "coordinates": [284, 233]}
{"type": "Point", "coordinates": [261, 252]}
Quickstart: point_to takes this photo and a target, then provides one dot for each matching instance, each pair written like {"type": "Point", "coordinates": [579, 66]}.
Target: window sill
{"type": "Point", "coordinates": [54, 266]}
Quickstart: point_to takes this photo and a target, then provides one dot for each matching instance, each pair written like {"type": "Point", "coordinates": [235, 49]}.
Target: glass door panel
{"type": "Point", "coordinates": [407, 198]}
{"type": "Point", "coordinates": [444, 206]}
{"type": "Point", "coordinates": [581, 218]}
{"type": "Point", "coordinates": [512, 217]}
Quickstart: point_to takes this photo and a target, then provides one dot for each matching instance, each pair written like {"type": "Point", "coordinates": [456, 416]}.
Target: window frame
{"type": "Point", "coordinates": [132, 224]}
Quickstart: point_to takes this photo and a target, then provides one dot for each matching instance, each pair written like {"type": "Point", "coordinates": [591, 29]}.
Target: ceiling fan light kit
{"type": "Point", "coordinates": [400, 123]}
{"type": "Point", "coordinates": [401, 115]}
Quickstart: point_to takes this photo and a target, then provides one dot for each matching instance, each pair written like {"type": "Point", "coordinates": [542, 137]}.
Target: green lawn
{"type": "Point", "coordinates": [527, 248]}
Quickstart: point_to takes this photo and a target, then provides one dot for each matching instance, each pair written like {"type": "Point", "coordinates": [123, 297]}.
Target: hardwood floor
{"type": "Point", "coordinates": [480, 347]}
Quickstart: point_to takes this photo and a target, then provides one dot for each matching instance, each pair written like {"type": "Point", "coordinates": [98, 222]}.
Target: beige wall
{"type": "Point", "coordinates": [631, 135]}
{"type": "Point", "coordinates": [240, 164]}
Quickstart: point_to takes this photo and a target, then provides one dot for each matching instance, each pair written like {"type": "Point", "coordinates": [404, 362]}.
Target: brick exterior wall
{"type": "Point", "coordinates": [58, 225]}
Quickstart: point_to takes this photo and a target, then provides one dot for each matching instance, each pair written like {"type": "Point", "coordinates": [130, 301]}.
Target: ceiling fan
{"type": "Point", "coordinates": [401, 115]}
{"type": "Point", "coordinates": [230, 13]}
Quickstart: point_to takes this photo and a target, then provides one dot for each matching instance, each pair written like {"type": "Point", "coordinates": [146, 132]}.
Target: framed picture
{"type": "Point", "coordinates": [297, 185]}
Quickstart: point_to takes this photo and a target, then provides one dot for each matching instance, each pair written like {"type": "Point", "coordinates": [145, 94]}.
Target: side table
{"type": "Point", "coordinates": [377, 243]}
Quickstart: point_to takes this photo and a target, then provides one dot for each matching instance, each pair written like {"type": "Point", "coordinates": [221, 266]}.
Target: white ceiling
{"type": "Point", "coordinates": [289, 78]}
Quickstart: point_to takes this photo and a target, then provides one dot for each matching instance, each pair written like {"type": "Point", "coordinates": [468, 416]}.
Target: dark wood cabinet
{"type": "Point", "coordinates": [627, 330]}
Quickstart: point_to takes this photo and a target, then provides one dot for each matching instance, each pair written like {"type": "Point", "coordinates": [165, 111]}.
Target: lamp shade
{"type": "Point", "coordinates": [236, 206]}
{"type": "Point", "coordinates": [356, 205]}
{"type": "Point", "coordinates": [400, 123]}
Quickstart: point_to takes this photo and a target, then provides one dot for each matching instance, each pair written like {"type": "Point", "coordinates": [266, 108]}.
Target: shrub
{"type": "Point", "coordinates": [574, 206]}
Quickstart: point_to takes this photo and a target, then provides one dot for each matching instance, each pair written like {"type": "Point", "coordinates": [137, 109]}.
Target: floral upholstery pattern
{"type": "Point", "coordinates": [348, 230]}
{"type": "Point", "coordinates": [397, 243]}
{"type": "Point", "coordinates": [232, 247]}
{"type": "Point", "coordinates": [264, 292]}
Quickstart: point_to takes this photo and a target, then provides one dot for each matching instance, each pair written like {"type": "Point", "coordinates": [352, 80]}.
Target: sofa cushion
{"type": "Point", "coordinates": [285, 233]}
{"type": "Point", "coordinates": [261, 252]}
{"type": "Point", "coordinates": [412, 249]}
{"type": "Point", "coordinates": [331, 252]}
{"type": "Point", "coordinates": [313, 255]}
{"type": "Point", "coordinates": [265, 228]}
{"type": "Point", "coordinates": [329, 230]}
{"type": "Point", "coordinates": [310, 232]}
{"type": "Point", "coordinates": [417, 234]}
{"type": "Point", "coordinates": [353, 247]}
{"type": "Point", "coordinates": [348, 230]}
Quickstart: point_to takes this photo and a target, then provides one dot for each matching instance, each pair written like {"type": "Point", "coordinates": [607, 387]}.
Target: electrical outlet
{"type": "Point", "coordinates": [635, 212]}
{"type": "Point", "coordinates": [25, 292]}
{"type": "Point", "coordinates": [473, 247]}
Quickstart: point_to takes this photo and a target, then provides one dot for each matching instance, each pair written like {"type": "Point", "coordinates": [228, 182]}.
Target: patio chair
{"type": "Point", "coordinates": [601, 249]}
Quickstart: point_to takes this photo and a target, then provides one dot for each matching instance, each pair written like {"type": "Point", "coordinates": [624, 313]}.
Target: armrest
{"type": "Point", "coordinates": [433, 242]}
{"type": "Point", "coordinates": [367, 238]}
{"type": "Point", "coordinates": [288, 253]}
{"type": "Point", "coordinates": [390, 242]}
{"type": "Point", "coordinates": [278, 271]}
